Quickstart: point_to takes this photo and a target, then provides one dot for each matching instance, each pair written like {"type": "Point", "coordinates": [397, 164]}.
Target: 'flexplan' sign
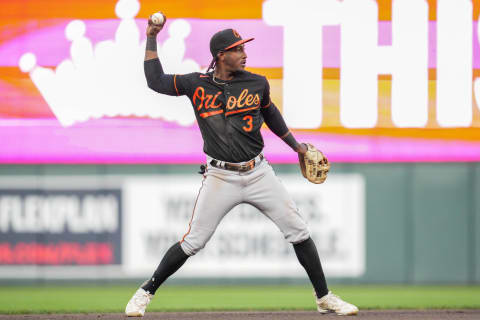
{"type": "Point", "coordinates": [60, 227]}
{"type": "Point", "coordinates": [362, 60]}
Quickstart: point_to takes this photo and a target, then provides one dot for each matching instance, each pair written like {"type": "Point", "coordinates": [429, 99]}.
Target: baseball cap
{"type": "Point", "coordinates": [224, 40]}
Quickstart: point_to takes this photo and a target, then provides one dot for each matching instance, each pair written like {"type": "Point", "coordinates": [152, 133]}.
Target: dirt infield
{"type": "Point", "coordinates": [278, 315]}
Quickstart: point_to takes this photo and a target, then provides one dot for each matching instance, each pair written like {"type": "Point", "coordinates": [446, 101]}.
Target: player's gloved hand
{"type": "Point", "coordinates": [314, 164]}
{"type": "Point", "coordinates": [154, 29]}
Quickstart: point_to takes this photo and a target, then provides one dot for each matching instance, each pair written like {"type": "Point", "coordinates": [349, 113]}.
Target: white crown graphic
{"type": "Point", "coordinates": [108, 79]}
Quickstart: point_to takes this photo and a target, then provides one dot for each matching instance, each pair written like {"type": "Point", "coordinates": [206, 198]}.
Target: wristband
{"type": "Point", "coordinates": [291, 141]}
{"type": "Point", "coordinates": [151, 44]}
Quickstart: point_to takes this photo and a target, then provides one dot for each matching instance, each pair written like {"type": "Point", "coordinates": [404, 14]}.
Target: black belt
{"type": "Point", "coordinates": [247, 166]}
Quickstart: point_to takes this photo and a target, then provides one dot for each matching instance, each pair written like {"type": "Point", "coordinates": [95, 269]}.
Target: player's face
{"type": "Point", "coordinates": [235, 59]}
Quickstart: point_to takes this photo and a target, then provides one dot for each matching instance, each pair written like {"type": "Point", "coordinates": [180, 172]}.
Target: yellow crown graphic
{"type": "Point", "coordinates": [107, 79]}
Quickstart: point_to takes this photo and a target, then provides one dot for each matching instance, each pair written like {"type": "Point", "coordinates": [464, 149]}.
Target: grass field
{"type": "Point", "coordinates": [63, 299]}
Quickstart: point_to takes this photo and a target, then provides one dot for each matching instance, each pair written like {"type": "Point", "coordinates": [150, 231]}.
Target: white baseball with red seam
{"type": "Point", "coordinates": [157, 18]}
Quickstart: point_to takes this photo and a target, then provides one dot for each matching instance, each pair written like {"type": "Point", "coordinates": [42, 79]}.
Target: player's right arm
{"type": "Point", "coordinates": [157, 80]}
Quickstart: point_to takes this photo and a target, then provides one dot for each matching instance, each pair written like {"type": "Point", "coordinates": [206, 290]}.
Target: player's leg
{"type": "Point", "coordinates": [219, 193]}
{"type": "Point", "coordinates": [270, 196]}
{"type": "Point", "coordinates": [171, 262]}
{"type": "Point", "coordinates": [173, 259]}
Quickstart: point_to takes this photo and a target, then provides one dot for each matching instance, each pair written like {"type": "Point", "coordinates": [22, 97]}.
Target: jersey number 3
{"type": "Point", "coordinates": [249, 124]}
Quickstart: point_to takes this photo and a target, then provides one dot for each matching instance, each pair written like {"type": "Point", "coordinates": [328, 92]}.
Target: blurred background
{"type": "Point", "coordinates": [98, 174]}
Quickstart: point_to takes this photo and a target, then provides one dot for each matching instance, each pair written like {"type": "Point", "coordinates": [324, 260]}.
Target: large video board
{"type": "Point", "coordinates": [363, 80]}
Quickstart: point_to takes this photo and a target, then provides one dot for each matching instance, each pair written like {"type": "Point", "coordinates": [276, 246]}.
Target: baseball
{"type": "Point", "coordinates": [157, 18]}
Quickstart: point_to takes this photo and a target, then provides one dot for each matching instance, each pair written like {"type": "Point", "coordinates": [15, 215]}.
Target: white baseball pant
{"type": "Point", "coordinates": [222, 190]}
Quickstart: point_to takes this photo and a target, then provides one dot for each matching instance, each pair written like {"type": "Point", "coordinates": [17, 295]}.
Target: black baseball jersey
{"type": "Point", "coordinates": [229, 114]}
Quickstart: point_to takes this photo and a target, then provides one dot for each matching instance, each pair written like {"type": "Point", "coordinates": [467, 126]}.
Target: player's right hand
{"type": "Point", "coordinates": [154, 29]}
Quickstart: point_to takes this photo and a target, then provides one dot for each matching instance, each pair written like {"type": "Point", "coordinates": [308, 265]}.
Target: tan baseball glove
{"type": "Point", "coordinates": [314, 165]}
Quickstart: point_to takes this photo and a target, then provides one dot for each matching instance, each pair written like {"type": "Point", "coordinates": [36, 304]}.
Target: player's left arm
{"type": "Point", "coordinates": [275, 122]}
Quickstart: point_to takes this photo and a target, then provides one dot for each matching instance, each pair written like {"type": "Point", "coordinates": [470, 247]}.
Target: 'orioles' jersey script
{"type": "Point", "coordinates": [229, 113]}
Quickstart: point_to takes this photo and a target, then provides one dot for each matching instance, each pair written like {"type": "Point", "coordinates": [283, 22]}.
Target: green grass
{"type": "Point", "coordinates": [62, 299]}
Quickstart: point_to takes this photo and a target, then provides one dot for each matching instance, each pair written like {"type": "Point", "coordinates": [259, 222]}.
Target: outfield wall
{"type": "Point", "coordinates": [373, 223]}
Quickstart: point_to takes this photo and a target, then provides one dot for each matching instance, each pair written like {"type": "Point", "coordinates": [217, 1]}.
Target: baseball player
{"type": "Point", "coordinates": [230, 106]}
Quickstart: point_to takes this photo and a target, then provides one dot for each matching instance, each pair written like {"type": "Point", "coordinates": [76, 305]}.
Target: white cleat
{"type": "Point", "coordinates": [332, 303]}
{"type": "Point", "coordinates": [138, 303]}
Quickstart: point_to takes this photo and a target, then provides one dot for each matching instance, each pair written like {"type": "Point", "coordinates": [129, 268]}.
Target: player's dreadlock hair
{"type": "Point", "coordinates": [213, 64]}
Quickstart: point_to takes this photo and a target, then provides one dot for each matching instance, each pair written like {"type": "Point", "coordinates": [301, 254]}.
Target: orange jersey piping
{"type": "Point", "coordinates": [175, 84]}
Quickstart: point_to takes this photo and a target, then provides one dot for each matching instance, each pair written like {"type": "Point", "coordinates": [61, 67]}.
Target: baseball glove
{"type": "Point", "coordinates": [314, 165]}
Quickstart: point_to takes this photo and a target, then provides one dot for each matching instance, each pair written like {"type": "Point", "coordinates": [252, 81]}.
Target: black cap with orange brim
{"type": "Point", "coordinates": [225, 40]}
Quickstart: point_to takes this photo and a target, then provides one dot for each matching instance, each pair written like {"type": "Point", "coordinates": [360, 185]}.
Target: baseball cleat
{"type": "Point", "coordinates": [138, 303]}
{"type": "Point", "coordinates": [332, 303]}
